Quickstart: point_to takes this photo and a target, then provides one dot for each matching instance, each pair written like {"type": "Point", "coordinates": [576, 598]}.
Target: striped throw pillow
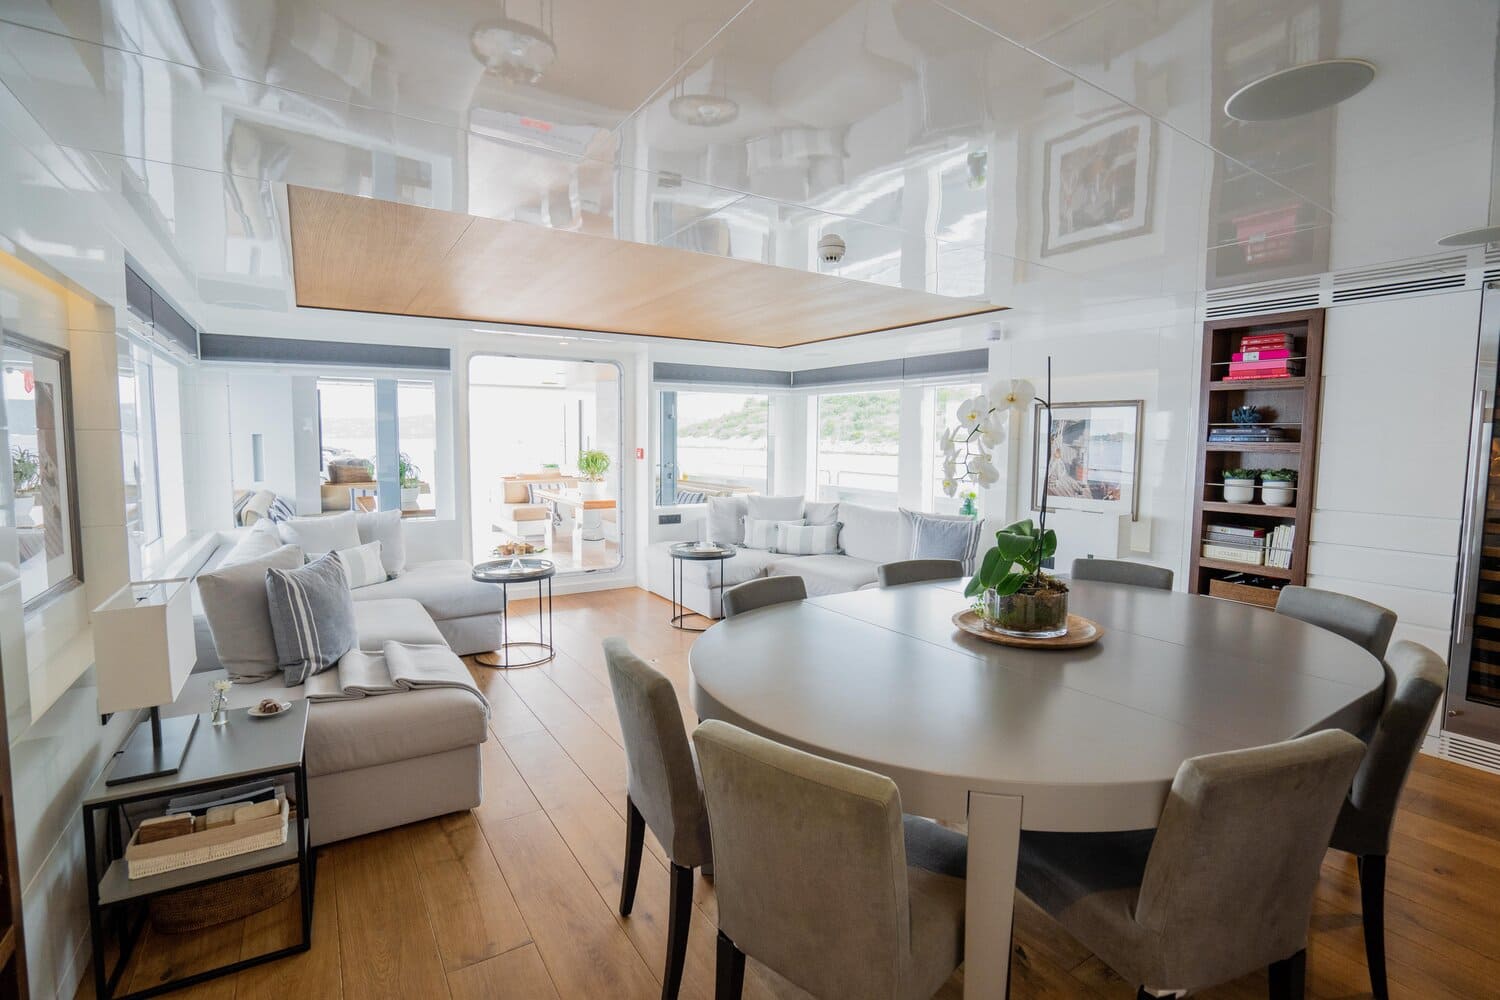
{"type": "Point", "coordinates": [807, 539]}
{"type": "Point", "coordinates": [312, 617]}
{"type": "Point", "coordinates": [761, 534]}
{"type": "Point", "coordinates": [362, 565]}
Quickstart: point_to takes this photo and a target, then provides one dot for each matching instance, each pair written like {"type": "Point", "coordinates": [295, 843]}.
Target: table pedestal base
{"type": "Point", "coordinates": [994, 844]}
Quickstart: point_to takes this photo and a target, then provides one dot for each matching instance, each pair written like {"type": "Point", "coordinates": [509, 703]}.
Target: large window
{"type": "Point", "coordinates": [151, 452]}
{"type": "Point", "coordinates": [351, 415]}
{"type": "Point", "coordinates": [713, 444]}
{"type": "Point", "coordinates": [42, 496]}
{"type": "Point", "coordinates": [858, 440]}
{"type": "Point", "coordinates": [346, 422]}
{"type": "Point", "coordinates": [416, 435]}
{"type": "Point", "coordinates": [942, 403]}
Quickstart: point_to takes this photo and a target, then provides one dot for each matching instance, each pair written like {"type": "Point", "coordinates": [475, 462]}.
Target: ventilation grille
{"type": "Point", "coordinates": [1398, 273]}
{"type": "Point", "coordinates": [1415, 286]}
{"type": "Point", "coordinates": [1251, 307]}
{"type": "Point", "coordinates": [1492, 265]}
{"type": "Point", "coordinates": [1475, 753]}
{"type": "Point", "coordinates": [1423, 276]}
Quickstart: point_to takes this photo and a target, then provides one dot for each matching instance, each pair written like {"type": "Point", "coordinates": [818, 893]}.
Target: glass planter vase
{"type": "Point", "coordinates": [1040, 615]}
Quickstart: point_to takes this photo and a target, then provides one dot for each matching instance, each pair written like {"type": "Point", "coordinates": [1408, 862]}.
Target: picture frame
{"type": "Point", "coordinates": [1097, 183]}
{"type": "Point", "coordinates": [1096, 456]}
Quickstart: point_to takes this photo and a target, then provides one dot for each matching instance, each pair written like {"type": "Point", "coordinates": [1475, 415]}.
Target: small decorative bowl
{"type": "Point", "coordinates": [1245, 414]}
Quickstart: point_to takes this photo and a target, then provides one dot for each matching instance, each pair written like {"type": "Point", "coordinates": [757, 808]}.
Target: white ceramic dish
{"type": "Point", "coordinates": [256, 713]}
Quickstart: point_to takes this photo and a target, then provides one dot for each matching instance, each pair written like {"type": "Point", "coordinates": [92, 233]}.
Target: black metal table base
{"type": "Point", "coordinates": [680, 611]}
{"type": "Point", "coordinates": [501, 659]}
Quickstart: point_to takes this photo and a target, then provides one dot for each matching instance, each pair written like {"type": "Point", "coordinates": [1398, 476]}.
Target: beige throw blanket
{"type": "Point", "coordinates": [397, 667]}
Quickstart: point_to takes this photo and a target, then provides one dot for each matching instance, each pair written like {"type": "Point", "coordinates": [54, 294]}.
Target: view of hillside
{"type": "Point", "coordinates": [867, 419]}
{"type": "Point", "coordinates": [749, 421]}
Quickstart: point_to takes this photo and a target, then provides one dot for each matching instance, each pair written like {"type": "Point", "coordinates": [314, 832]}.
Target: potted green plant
{"type": "Point", "coordinates": [592, 465]}
{"type": "Point", "coordinates": [26, 479]}
{"type": "Point", "coordinates": [969, 507]}
{"type": "Point", "coordinates": [411, 481]}
{"type": "Point", "coordinates": [1278, 486]}
{"type": "Point", "coordinates": [1239, 485]}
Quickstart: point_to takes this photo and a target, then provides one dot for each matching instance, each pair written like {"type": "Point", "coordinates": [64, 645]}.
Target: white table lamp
{"type": "Point", "coordinates": [144, 650]}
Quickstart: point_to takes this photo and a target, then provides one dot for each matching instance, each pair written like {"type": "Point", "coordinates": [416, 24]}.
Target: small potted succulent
{"type": "Point", "coordinates": [411, 481]}
{"type": "Point", "coordinates": [969, 508]}
{"type": "Point", "coordinates": [592, 465]}
{"type": "Point", "coordinates": [1245, 414]}
{"type": "Point", "coordinates": [1278, 486]}
{"type": "Point", "coordinates": [1239, 485]}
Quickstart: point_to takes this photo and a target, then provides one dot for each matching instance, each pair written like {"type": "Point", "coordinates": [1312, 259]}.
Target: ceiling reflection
{"type": "Point", "coordinates": [1048, 156]}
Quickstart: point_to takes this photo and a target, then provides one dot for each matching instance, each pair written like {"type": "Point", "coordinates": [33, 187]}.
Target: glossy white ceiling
{"type": "Point", "coordinates": [940, 139]}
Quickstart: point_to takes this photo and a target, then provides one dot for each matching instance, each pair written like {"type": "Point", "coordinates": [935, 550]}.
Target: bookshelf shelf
{"type": "Point", "coordinates": [1285, 402]}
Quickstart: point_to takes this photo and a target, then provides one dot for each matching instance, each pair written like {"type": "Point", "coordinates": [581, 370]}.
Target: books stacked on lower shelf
{"type": "Point", "coordinates": [1246, 433]}
{"type": "Point", "coordinates": [1279, 546]}
{"type": "Point", "coordinates": [1264, 355]}
{"type": "Point", "coordinates": [1234, 543]}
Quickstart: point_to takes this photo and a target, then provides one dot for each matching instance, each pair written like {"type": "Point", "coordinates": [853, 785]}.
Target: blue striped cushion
{"type": "Point", "coordinates": [312, 617]}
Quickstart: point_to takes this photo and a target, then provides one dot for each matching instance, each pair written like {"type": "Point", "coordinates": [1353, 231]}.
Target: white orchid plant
{"type": "Point", "coordinates": [968, 449]}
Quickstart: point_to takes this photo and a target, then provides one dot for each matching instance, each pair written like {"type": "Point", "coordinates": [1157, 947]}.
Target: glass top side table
{"type": "Point", "coordinates": [512, 570]}
{"type": "Point", "coordinates": [686, 552]}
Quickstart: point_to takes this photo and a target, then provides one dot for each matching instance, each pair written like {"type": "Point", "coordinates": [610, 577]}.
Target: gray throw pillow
{"type": "Point", "coordinates": [726, 520]}
{"type": "Point", "coordinates": [312, 617]}
{"type": "Point", "coordinates": [943, 536]}
{"type": "Point", "coordinates": [385, 527]}
{"type": "Point", "coordinates": [234, 602]}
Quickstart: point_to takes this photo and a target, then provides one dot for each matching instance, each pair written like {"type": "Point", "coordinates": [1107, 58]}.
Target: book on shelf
{"type": "Point", "coordinates": [1242, 433]}
{"type": "Point", "coordinates": [1258, 544]}
{"type": "Point", "coordinates": [1265, 354]}
{"type": "Point", "coordinates": [1261, 341]}
{"type": "Point", "coordinates": [1237, 530]}
{"type": "Point", "coordinates": [1279, 365]}
{"type": "Point", "coordinates": [1261, 376]}
{"type": "Point", "coordinates": [1230, 553]}
{"type": "Point", "coordinates": [1279, 546]}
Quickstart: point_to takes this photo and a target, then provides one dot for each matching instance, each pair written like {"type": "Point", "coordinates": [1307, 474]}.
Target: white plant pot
{"type": "Point", "coordinates": [23, 510]}
{"type": "Point", "coordinates": [1278, 493]}
{"type": "Point", "coordinates": [591, 489]}
{"type": "Point", "coordinates": [409, 496]}
{"type": "Point", "coordinates": [1239, 491]}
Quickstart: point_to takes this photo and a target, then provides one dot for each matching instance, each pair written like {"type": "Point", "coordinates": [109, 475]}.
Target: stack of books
{"type": "Point", "coordinates": [1246, 432]}
{"type": "Point", "coordinates": [1233, 543]}
{"type": "Point", "coordinates": [1279, 546]}
{"type": "Point", "coordinates": [1263, 355]}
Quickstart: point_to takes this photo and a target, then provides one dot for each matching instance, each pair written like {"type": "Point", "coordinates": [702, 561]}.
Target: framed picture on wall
{"type": "Point", "coordinates": [1096, 183]}
{"type": "Point", "coordinates": [1096, 456]}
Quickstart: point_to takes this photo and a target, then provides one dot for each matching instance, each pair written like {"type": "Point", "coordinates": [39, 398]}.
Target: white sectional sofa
{"type": "Point", "coordinates": [380, 762]}
{"type": "Point", "coordinates": [868, 537]}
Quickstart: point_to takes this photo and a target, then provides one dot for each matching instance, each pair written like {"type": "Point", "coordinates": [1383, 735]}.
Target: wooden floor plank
{"type": "Point", "coordinates": [314, 973]}
{"type": "Point", "coordinates": [387, 947]}
{"type": "Point", "coordinates": [515, 975]}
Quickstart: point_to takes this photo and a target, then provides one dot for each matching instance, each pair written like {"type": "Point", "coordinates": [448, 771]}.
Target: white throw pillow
{"type": "Point", "coordinates": [822, 512]}
{"type": "Point", "coordinates": [261, 540]}
{"type": "Point", "coordinates": [362, 565]}
{"type": "Point", "coordinates": [875, 534]}
{"type": "Point", "coordinates": [317, 536]}
{"type": "Point", "coordinates": [726, 520]}
{"type": "Point", "coordinates": [762, 534]}
{"type": "Point", "coordinates": [807, 539]}
{"type": "Point", "coordinates": [387, 528]}
{"type": "Point", "coordinates": [774, 508]}
{"type": "Point", "coordinates": [257, 507]}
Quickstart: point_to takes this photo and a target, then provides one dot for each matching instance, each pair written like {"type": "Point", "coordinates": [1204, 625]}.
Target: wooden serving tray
{"type": "Point", "coordinates": [1081, 632]}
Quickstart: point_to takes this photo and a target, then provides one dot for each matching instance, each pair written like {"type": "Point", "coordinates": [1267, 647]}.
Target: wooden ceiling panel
{"type": "Point", "coordinates": [364, 255]}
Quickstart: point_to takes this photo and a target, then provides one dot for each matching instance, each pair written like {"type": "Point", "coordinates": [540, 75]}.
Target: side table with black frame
{"type": "Point", "coordinates": [686, 552]}
{"type": "Point", "coordinates": [244, 750]}
{"type": "Point", "coordinates": [505, 572]}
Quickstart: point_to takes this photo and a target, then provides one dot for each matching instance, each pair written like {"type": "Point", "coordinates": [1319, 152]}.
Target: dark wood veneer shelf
{"type": "Point", "coordinates": [1274, 572]}
{"type": "Point", "coordinates": [1289, 447]}
{"type": "Point", "coordinates": [1256, 509]}
{"type": "Point", "coordinates": [1241, 385]}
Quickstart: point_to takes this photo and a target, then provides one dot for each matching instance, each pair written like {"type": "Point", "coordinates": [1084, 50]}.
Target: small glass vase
{"type": "Point", "coordinates": [218, 708]}
{"type": "Point", "coordinates": [1041, 615]}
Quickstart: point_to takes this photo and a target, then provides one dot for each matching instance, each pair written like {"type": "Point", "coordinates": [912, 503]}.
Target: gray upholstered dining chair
{"type": "Point", "coordinates": [1364, 824]}
{"type": "Point", "coordinates": [661, 791]}
{"type": "Point", "coordinates": [762, 593]}
{"type": "Point", "coordinates": [1134, 574]}
{"type": "Point", "coordinates": [1222, 887]}
{"type": "Point", "coordinates": [814, 876]}
{"type": "Point", "coordinates": [1361, 622]}
{"type": "Point", "coordinates": [894, 574]}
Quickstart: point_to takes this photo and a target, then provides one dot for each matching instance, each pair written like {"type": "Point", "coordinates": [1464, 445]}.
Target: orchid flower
{"type": "Point", "coordinates": [971, 412]}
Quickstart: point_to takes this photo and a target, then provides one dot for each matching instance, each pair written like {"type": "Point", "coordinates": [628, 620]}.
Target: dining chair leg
{"type": "Point", "coordinates": [729, 977]}
{"type": "Point", "coordinates": [1372, 908]}
{"type": "Point", "coordinates": [679, 917]}
{"type": "Point", "coordinates": [1288, 977]}
{"type": "Point", "coordinates": [635, 839]}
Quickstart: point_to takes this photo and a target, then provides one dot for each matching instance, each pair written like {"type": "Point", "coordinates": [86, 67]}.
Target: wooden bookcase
{"type": "Point", "coordinates": [1292, 404]}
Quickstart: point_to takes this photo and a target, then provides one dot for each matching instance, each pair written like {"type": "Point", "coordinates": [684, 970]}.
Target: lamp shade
{"type": "Point", "coordinates": [144, 648]}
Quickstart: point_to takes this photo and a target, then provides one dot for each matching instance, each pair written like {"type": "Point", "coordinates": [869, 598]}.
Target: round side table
{"type": "Point", "coordinates": [686, 552]}
{"type": "Point", "coordinates": [520, 569]}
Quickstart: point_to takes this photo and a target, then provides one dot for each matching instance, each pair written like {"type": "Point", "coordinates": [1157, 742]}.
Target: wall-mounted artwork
{"type": "Point", "coordinates": [1096, 456]}
{"type": "Point", "coordinates": [1097, 183]}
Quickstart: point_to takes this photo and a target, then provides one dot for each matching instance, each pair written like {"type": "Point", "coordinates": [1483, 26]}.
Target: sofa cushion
{"type": "Point", "coordinates": [445, 587]}
{"type": "Point", "coordinates": [762, 534]}
{"type": "Point", "coordinates": [873, 533]}
{"type": "Point", "coordinates": [824, 575]}
{"type": "Point", "coordinates": [384, 526]}
{"type": "Point", "coordinates": [806, 539]}
{"type": "Point", "coordinates": [822, 512]}
{"type": "Point", "coordinates": [393, 620]}
{"type": "Point", "coordinates": [258, 542]}
{"type": "Point", "coordinates": [312, 617]}
{"type": "Point", "coordinates": [761, 508]}
{"type": "Point", "coordinates": [239, 615]}
{"type": "Point", "coordinates": [943, 536]}
{"type": "Point", "coordinates": [317, 535]}
{"type": "Point", "coordinates": [348, 735]}
{"type": "Point", "coordinates": [726, 519]}
{"type": "Point", "coordinates": [747, 564]}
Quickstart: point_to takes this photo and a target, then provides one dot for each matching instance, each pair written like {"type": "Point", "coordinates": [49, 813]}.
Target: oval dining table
{"type": "Point", "coordinates": [1007, 739]}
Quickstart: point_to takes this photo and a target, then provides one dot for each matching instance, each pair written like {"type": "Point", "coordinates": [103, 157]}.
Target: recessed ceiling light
{"type": "Point", "coordinates": [1472, 237]}
{"type": "Point", "coordinates": [1299, 90]}
{"type": "Point", "coordinates": [703, 110]}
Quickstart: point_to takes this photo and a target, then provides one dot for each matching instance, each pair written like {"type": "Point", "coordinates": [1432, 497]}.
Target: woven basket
{"type": "Point", "coordinates": [206, 905]}
{"type": "Point", "coordinates": [350, 470]}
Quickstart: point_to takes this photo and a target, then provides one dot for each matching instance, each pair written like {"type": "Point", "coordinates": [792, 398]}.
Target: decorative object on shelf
{"type": "Point", "coordinates": [144, 649]}
{"type": "Point", "coordinates": [1096, 185]}
{"type": "Point", "coordinates": [1278, 486]}
{"type": "Point", "coordinates": [968, 507]}
{"type": "Point", "coordinates": [1245, 414]}
{"type": "Point", "coordinates": [1081, 631]}
{"type": "Point", "coordinates": [218, 701]}
{"type": "Point", "coordinates": [1093, 453]}
{"type": "Point", "coordinates": [1239, 485]}
{"type": "Point", "coordinates": [411, 481]}
{"type": "Point", "coordinates": [592, 465]}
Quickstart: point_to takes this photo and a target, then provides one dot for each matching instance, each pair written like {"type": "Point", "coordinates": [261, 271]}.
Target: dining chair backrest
{"type": "Point", "coordinates": [809, 862]}
{"type": "Point", "coordinates": [1134, 574]}
{"type": "Point", "coordinates": [660, 778]}
{"type": "Point", "coordinates": [894, 574]}
{"type": "Point", "coordinates": [1421, 677]}
{"type": "Point", "coordinates": [762, 593]}
{"type": "Point", "coordinates": [1230, 879]}
{"type": "Point", "coordinates": [1361, 622]}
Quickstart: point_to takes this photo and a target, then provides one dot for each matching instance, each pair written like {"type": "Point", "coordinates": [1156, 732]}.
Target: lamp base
{"type": "Point", "coordinates": [142, 757]}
